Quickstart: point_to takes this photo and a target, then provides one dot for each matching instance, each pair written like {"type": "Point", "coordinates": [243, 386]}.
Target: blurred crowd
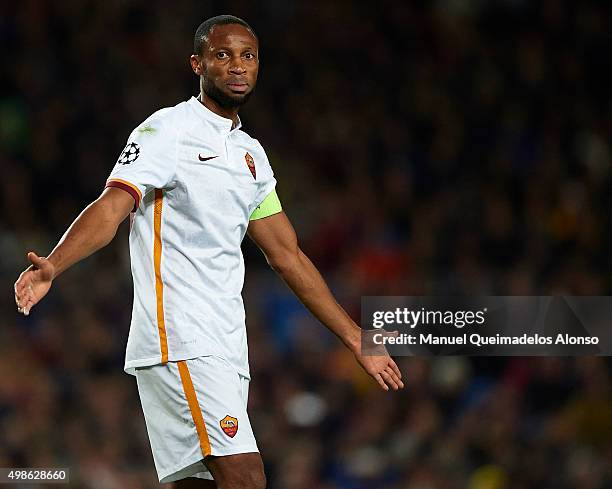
{"type": "Point", "coordinates": [447, 147]}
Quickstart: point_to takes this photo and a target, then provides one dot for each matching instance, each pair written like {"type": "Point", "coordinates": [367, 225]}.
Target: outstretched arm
{"type": "Point", "coordinates": [93, 229]}
{"type": "Point", "coordinates": [276, 237]}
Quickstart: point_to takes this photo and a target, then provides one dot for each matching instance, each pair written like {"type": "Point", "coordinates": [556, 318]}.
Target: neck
{"type": "Point", "coordinates": [213, 106]}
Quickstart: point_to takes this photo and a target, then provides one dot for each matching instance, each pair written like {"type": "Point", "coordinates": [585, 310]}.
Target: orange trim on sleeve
{"type": "Point", "coordinates": [194, 407]}
{"type": "Point", "coordinates": [130, 188]}
{"type": "Point", "coordinates": [159, 285]}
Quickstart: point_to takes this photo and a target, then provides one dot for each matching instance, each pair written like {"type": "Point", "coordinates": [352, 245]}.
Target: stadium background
{"type": "Point", "coordinates": [447, 147]}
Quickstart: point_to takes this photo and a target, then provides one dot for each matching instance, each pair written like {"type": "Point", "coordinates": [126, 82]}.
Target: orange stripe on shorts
{"type": "Point", "coordinates": [194, 407]}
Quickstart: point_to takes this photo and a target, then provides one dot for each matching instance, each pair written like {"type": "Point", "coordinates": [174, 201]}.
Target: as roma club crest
{"type": "Point", "coordinates": [229, 424]}
{"type": "Point", "coordinates": [251, 164]}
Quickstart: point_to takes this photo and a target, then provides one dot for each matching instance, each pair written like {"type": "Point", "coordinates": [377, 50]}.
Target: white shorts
{"type": "Point", "coordinates": [194, 408]}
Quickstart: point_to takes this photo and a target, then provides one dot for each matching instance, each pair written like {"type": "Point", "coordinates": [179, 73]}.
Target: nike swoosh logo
{"type": "Point", "coordinates": [201, 158]}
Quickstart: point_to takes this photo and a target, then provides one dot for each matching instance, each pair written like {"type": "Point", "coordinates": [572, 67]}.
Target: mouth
{"type": "Point", "coordinates": [238, 86]}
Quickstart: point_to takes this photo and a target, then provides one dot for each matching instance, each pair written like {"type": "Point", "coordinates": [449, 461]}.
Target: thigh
{"type": "Point", "coordinates": [193, 483]}
{"type": "Point", "coordinates": [240, 470]}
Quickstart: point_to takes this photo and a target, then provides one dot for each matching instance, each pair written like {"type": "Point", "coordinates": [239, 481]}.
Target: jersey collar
{"type": "Point", "coordinates": [207, 115]}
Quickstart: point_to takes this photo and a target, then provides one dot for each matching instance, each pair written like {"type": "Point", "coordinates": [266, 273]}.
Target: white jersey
{"type": "Point", "coordinates": [195, 182]}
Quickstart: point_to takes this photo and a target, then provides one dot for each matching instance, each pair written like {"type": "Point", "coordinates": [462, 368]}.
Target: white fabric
{"type": "Point", "coordinates": [205, 213]}
{"type": "Point", "coordinates": [175, 443]}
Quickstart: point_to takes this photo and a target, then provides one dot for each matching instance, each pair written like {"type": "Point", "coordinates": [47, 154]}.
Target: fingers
{"type": "Point", "coordinates": [19, 290]}
{"type": "Point", "coordinates": [390, 376]}
{"type": "Point", "coordinates": [25, 278]}
{"type": "Point", "coordinates": [19, 308]}
{"type": "Point", "coordinates": [395, 368]}
{"type": "Point", "coordinates": [22, 283]}
{"type": "Point", "coordinates": [379, 379]}
{"type": "Point", "coordinates": [28, 306]}
{"type": "Point", "coordinates": [24, 299]}
{"type": "Point", "coordinates": [395, 377]}
{"type": "Point", "coordinates": [25, 310]}
{"type": "Point", "coordinates": [389, 379]}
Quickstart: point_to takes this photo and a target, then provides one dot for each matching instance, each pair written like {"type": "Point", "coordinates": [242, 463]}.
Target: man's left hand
{"type": "Point", "coordinates": [383, 369]}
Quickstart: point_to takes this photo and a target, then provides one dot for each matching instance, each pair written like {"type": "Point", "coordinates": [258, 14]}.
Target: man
{"type": "Point", "coordinates": [194, 184]}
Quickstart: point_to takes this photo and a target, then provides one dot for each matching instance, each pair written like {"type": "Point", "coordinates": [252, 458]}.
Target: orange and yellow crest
{"type": "Point", "coordinates": [229, 425]}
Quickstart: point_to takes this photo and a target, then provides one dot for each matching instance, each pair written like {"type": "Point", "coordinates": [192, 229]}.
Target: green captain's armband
{"type": "Point", "coordinates": [270, 205]}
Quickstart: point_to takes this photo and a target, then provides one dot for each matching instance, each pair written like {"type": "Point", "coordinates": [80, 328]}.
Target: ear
{"type": "Point", "coordinates": [196, 65]}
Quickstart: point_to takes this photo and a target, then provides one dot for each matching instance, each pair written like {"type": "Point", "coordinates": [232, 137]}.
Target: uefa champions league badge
{"type": "Point", "coordinates": [129, 154]}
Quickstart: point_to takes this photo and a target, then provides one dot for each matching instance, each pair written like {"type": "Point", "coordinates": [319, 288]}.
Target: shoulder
{"type": "Point", "coordinates": [246, 139]}
{"type": "Point", "coordinates": [167, 121]}
{"type": "Point", "coordinates": [251, 143]}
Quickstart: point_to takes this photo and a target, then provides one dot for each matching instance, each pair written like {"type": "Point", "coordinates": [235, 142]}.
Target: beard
{"type": "Point", "coordinates": [223, 99]}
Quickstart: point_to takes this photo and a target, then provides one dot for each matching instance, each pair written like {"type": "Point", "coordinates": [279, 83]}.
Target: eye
{"type": "Point", "coordinates": [222, 55]}
{"type": "Point", "coordinates": [249, 56]}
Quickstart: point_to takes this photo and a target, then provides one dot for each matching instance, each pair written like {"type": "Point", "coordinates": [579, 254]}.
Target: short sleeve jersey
{"type": "Point", "coordinates": [195, 182]}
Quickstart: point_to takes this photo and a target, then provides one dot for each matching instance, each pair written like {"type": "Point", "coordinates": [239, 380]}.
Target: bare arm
{"type": "Point", "coordinates": [276, 237]}
{"type": "Point", "coordinates": [93, 229]}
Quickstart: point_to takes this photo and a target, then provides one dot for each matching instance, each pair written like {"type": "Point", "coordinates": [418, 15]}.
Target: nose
{"type": "Point", "coordinates": [237, 66]}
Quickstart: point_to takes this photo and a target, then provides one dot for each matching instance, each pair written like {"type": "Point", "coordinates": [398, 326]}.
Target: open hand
{"type": "Point", "coordinates": [33, 283]}
{"type": "Point", "coordinates": [382, 368]}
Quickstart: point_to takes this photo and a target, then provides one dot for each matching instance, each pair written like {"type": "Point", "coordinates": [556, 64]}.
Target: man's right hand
{"type": "Point", "coordinates": [94, 228]}
{"type": "Point", "coordinates": [33, 283]}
